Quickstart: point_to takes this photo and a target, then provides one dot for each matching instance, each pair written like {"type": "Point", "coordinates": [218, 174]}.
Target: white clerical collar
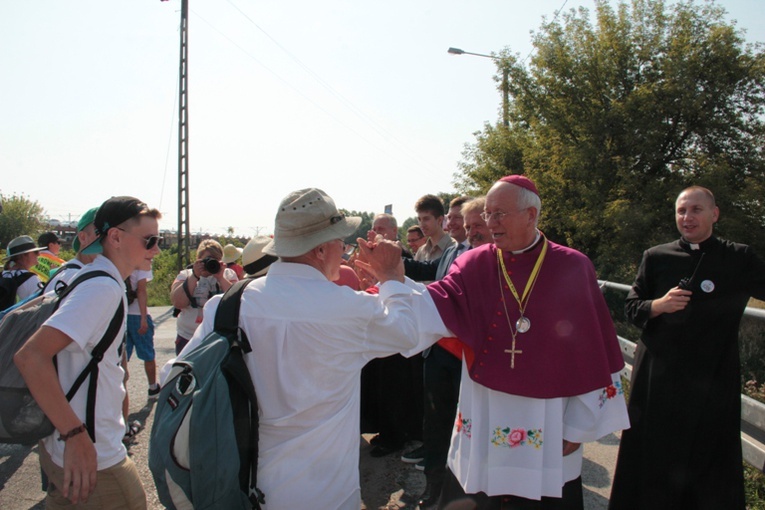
{"type": "Point", "coordinates": [536, 240]}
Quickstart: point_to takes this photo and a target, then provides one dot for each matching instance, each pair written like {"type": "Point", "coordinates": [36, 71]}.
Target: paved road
{"type": "Point", "coordinates": [385, 483]}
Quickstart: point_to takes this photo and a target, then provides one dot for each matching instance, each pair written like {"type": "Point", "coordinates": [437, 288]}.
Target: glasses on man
{"type": "Point", "coordinates": [150, 241]}
{"type": "Point", "coordinates": [496, 216]}
{"type": "Point", "coordinates": [348, 250]}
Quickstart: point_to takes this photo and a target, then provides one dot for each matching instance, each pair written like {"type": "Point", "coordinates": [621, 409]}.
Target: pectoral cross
{"type": "Point", "coordinates": [512, 351]}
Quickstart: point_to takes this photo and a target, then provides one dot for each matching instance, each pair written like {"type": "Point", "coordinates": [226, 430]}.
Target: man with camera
{"type": "Point", "coordinates": [196, 284]}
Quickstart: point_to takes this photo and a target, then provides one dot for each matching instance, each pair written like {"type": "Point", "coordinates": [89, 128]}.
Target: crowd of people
{"type": "Point", "coordinates": [477, 350]}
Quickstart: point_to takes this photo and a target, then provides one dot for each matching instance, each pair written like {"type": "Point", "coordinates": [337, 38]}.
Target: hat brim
{"type": "Point", "coordinates": [8, 257]}
{"type": "Point", "coordinates": [232, 257]}
{"type": "Point", "coordinates": [93, 248]}
{"type": "Point", "coordinates": [285, 246]}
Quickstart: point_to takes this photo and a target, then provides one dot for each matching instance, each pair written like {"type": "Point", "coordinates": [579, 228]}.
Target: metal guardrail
{"type": "Point", "coordinates": [752, 411]}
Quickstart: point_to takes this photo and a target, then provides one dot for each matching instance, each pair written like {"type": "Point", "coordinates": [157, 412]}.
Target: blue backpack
{"type": "Point", "coordinates": [203, 449]}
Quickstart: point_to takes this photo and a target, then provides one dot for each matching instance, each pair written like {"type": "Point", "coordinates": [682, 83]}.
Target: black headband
{"type": "Point", "coordinates": [263, 262]}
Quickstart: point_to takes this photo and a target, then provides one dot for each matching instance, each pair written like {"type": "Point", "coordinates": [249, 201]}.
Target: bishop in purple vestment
{"type": "Point", "coordinates": [537, 324]}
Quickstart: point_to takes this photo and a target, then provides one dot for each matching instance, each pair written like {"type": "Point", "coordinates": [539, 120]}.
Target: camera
{"type": "Point", "coordinates": [212, 266]}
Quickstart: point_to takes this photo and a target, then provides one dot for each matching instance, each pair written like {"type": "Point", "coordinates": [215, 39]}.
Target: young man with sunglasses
{"type": "Point", "coordinates": [89, 466]}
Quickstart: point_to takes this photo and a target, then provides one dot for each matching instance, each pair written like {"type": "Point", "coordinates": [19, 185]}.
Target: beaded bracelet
{"type": "Point", "coordinates": [72, 433]}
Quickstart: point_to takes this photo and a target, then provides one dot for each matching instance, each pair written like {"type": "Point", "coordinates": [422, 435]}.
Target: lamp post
{"type": "Point", "coordinates": [505, 92]}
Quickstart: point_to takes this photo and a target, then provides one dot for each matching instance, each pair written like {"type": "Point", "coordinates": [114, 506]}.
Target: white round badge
{"type": "Point", "coordinates": [707, 286]}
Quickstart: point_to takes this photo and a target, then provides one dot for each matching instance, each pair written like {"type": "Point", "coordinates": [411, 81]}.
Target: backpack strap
{"type": "Point", "coordinates": [96, 355]}
{"type": "Point", "coordinates": [23, 277]}
{"type": "Point", "coordinates": [192, 299]}
{"type": "Point", "coordinates": [68, 265]}
{"type": "Point", "coordinates": [246, 424]}
{"type": "Point", "coordinates": [227, 314]}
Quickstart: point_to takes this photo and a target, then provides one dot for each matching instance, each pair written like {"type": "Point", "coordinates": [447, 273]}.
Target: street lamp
{"type": "Point", "coordinates": [505, 100]}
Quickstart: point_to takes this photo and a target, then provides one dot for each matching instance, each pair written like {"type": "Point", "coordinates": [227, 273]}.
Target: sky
{"type": "Point", "coordinates": [357, 98]}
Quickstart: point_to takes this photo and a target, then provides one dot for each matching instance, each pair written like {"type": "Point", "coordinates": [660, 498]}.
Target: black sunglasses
{"type": "Point", "coordinates": [150, 241]}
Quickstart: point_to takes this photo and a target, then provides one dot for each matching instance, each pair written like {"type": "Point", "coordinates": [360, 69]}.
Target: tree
{"type": "Point", "coordinates": [20, 216]}
{"type": "Point", "coordinates": [366, 224]}
{"type": "Point", "coordinates": [613, 119]}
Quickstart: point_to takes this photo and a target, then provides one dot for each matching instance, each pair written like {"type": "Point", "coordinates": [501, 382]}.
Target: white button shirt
{"type": "Point", "coordinates": [310, 339]}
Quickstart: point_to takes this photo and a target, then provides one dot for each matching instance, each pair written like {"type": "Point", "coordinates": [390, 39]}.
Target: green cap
{"type": "Point", "coordinates": [85, 220]}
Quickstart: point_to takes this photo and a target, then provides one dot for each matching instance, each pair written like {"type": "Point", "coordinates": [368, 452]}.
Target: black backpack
{"type": "Point", "coordinates": [21, 419]}
{"type": "Point", "coordinates": [9, 285]}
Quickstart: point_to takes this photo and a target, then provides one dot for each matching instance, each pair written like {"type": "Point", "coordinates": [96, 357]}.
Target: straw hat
{"type": "Point", "coordinates": [231, 253]}
{"type": "Point", "coordinates": [254, 261]}
{"type": "Point", "coordinates": [307, 218]}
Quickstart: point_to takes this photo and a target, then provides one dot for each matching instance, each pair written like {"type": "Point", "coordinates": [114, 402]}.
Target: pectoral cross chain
{"type": "Point", "coordinates": [513, 351]}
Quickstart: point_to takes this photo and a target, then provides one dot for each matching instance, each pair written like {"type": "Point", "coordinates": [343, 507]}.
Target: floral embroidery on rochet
{"type": "Point", "coordinates": [610, 392]}
{"type": "Point", "coordinates": [513, 438]}
{"type": "Point", "coordinates": [464, 425]}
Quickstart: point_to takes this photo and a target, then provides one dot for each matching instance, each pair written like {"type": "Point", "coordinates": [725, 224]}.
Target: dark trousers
{"type": "Point", "coordinates": [441, 374]}
{"type": "Point", "coordinates": [453, 497]}
{"type": "Point", "coordinates": [391, 399]}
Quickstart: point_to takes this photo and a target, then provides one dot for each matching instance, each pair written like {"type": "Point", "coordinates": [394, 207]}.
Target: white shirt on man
{"type": "Point", "coordinates": [64, 274]}
{"type": "Point", "coordinates": [135, 277]}
{"type": "Point", "coordinates": [84, 315]}
{"type": "Point", "coordinates": [310, 339]}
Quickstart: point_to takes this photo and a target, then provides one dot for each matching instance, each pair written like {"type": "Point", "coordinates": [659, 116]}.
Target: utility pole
{"type": "Point", "coordinates": [184, 240]}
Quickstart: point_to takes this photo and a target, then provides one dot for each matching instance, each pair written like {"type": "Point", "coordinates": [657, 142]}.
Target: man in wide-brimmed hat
{"type": "Point", "coordinates": [310, 339]}
{"type": "Point", "coordinates": [20, 257]}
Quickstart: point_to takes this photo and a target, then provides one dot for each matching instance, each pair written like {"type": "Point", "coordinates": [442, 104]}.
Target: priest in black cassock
{"type": "Point", "coordinates": [683, 449]}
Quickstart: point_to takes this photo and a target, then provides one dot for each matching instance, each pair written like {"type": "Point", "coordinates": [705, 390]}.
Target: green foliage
{"type": "Point", "coordinates": [20, 216]}
{"type": "Point", "coordinates": [403, 227]}
{"type": "Point", "coordinates": [754, 488]}
{"type": "Point", "coordinates": [366, 224]}
{"type": "Point", "coordinates": [164, 269]}
{"type": "Point", "coordinates": [66, 254]}
{"type": "Point", "coordinates": [619, 111]}
{"type": "Point", "coordinates": [751, 341]}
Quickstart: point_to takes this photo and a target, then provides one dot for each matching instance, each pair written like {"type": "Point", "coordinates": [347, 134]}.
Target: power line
{"type": "Point", "coordinates": [349, 104]}
{"type": "Point", "coordinates": [412, 155]}
{"type": "Point", "coordinates": [555, 16]}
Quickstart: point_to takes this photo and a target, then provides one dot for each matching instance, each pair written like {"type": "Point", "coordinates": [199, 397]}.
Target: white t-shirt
{"type": "Point", "coordinates": [135, 277]}
{"type": "Point", "coordinates": [190, 318]}
{"type": "Point", "coordinates": [84, 316]}
{"type": "Point", "coordinates": [65, 275]}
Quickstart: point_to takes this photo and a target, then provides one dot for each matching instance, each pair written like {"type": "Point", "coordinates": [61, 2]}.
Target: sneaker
{"type": "Point", "coordinates": [420, 466]}
{"type": "Point", "coordinates": [154, 392]}
{"type": "Point", "coordinates": [132, 430]}
{"type": "Point", "coordinates": [415, 456]}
